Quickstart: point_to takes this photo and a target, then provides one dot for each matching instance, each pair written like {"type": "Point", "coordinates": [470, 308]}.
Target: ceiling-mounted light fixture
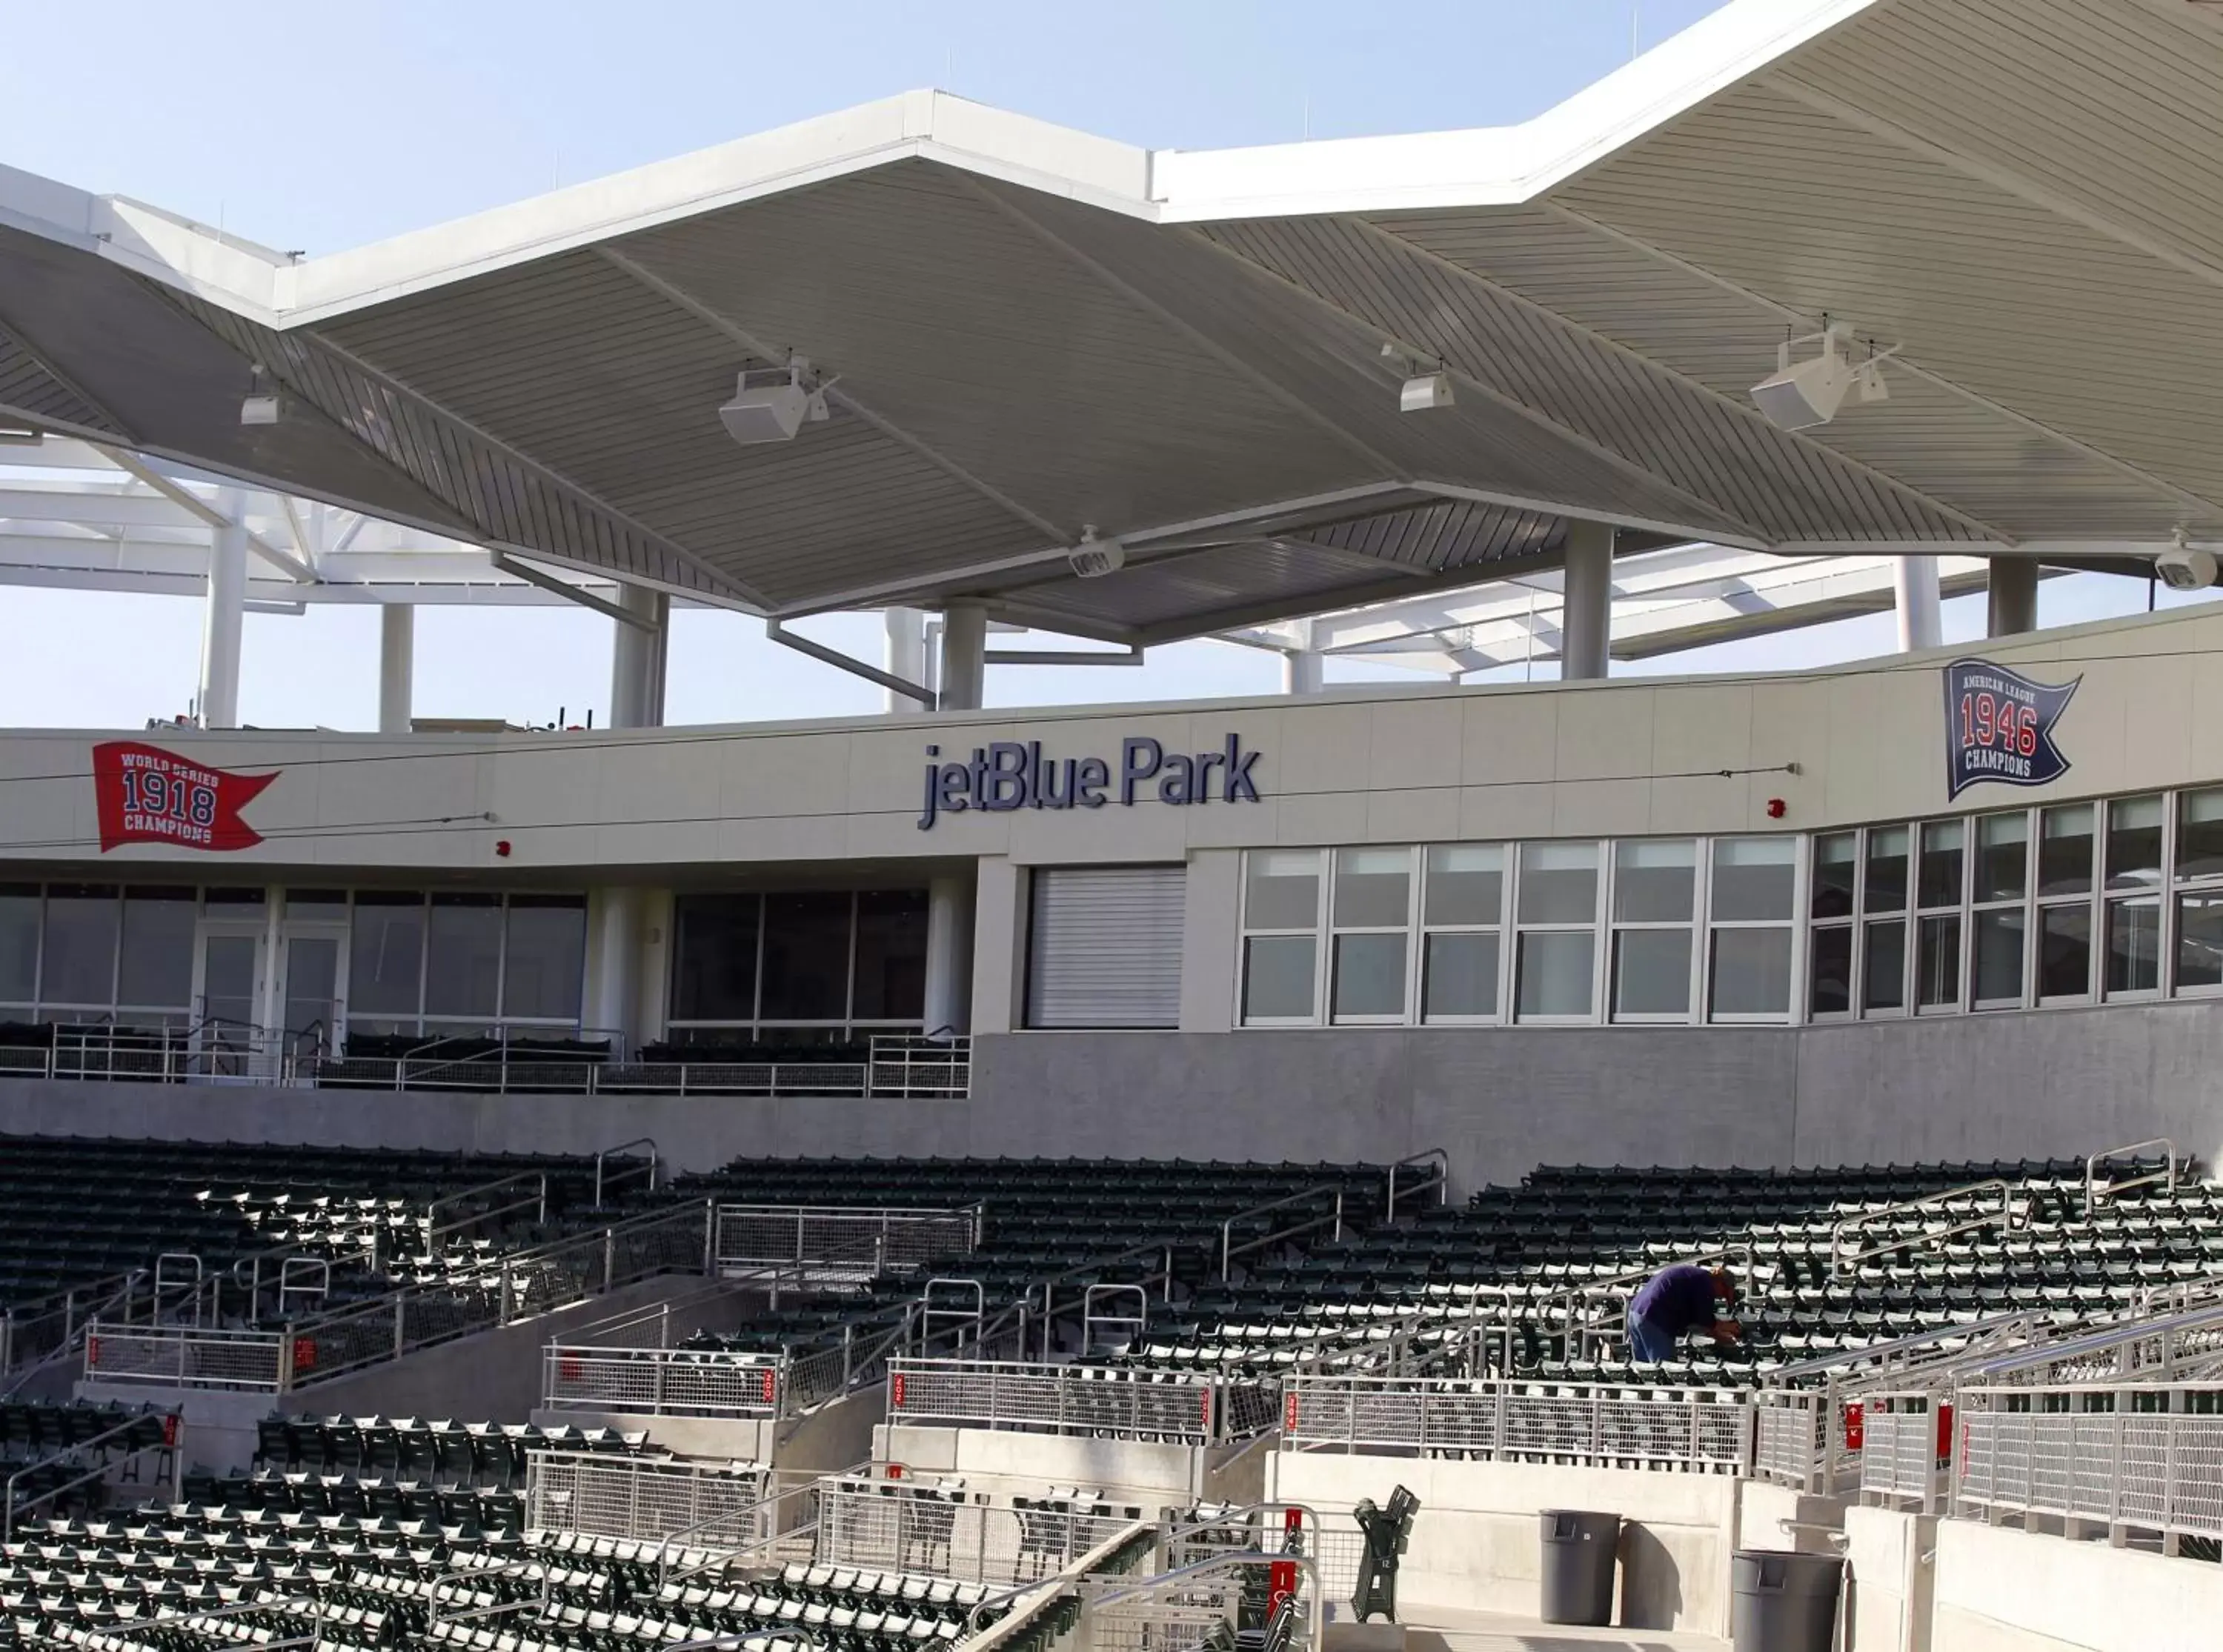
{"type": "Point", "coordinates": [1427, 385]}
{"type": "Point", "coordinates": [1806, 394]}
{"type": "Point", "coordinates": [262, 405]}
{"type": "Point", "coordinates": [1092, 558]}
{"type": "Point", "coordinates": [773, 408]}
{"type": "Point", "coordinates": [2184, 566]}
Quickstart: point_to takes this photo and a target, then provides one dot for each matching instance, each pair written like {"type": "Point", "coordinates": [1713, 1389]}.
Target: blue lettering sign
{"type": "Point", "coordinates": [1007, 774]}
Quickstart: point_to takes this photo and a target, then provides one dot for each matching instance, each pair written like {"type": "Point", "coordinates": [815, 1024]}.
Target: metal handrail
{"type": "Point", "coordinates": [434, 1228]}
{"type": "Point", "coordinates": [666, 1576]}
{"type": "Point", "coordinates": [1441, 1181]}
{"type": "Point", "coordinates": [1308, 1586]}
{"type": "Point", "coordinates": [2006, 1215]}
{"type": "Point", "coordinates": [2093, 1194]}
{"type": "Point", "coordinates": [655, 1154]}
{"type": "Point", "coordinates": [1229, 1250]}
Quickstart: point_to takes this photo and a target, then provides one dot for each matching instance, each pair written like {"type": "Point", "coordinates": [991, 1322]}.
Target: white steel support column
{"type": "Point", "coordinates": [1586, 627]}
{"type": "Point", "coordinates": [904, 656]}
{"type": "Point", "coordinates": [636, 660]}
{"type": "Point", "coordinates": [964, 656]}
{"type": "Point", "coordinates": [1302, 667]}
{"type": "Point", "coordinates": [2013, 605]}
{"type": "Point", "coordinates": [614, 948]}
{"type": "Point", "coordinates": [1914, 600]}
{"type": "Point", "coordinates": [948, 954]}
{"type": "Point", "coordinates": [397, 665]}
{"type": "Point", "coordinates": [226, 610]}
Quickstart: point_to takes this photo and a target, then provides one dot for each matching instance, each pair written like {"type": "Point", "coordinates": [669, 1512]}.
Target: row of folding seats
{"type": "Point", "coordinates": [454, 1454]}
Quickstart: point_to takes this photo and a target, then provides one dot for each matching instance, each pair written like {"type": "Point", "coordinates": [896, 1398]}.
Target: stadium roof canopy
{"type": "Point", "coordinates": [1035, 332]}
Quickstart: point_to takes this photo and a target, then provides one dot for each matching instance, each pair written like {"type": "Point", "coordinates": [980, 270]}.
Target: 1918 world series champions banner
{"type": "Point", "coordinates": [1999, 726]}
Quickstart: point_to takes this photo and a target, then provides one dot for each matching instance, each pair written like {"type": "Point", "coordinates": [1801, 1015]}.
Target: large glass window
{"type": "Point", "coordinates": [79, 969]}
{"type": "Point", "coordinates": [1883, 941]}
{"type": "Point", "coordinates": [1372, 910]}
{"type": "Point", "coordinates": [1281, 944]}
{"type": "Point", "coordinates": [1654, 899]}
{"type": "Point", "coordinates": [1751, 905]}
{"type": "Point", "coordinates": [1463, 910]}
{"type": "Point", "coordinates": [2066, 843]}
{"type": "Point", "coordinates": [462, 958]}
{"type": "Point", "coordinates": [156, 970]}
{"type": "Point", "coordinates": [806, 957]}
{"type": "Point", "coordinates": [1278, 977]}
{"type": "Point", "coordinates": [890, 970]}
{"type": "Point", "coordinates": [1831, 967]}
{"type": "Point", "coordinates": [715, 966]}
{"type": "Point", "coordinates": [1830, 941]}
{"type": "Point", "coordinates": [1937, 889]}
{"type": "Point", "coordinates": [386, 956]}
{"type": "Point", "coordinates": [1999, 879]}
{"type": "Point", "coordinates": [1281, 890]}
{"type": "Point", "coordinates": [2134, 909]}
{"type": "Point", "coordinates": [1556, 965]}
{"type": "Point", "coordinates": [19, 948]}
{"type": "Point", "coordinates": [544, 958]}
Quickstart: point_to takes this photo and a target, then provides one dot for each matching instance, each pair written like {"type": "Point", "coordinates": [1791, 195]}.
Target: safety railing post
{"type": "Point", "coordinates": [400, 1337]}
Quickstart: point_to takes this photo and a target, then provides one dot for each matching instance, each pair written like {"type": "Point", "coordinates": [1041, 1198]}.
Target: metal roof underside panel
{"type": "Point", "coordinates": [1035, 332]}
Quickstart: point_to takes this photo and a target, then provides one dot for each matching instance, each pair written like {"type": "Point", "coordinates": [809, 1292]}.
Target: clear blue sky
{"type": "Point", "coordinates": [321, 126]}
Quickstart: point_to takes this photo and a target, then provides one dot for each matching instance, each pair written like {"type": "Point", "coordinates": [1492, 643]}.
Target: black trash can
{"type": "Point", "coordinates": [1579, 1545]}
{"type": "Point", "coordinates": [1783, 1602]}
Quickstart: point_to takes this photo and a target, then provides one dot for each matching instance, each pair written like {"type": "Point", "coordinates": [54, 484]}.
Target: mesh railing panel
{"type": "Point", "coordinates": [183, 1357]}
{"type": "Point", "coordinates": [1110, 1401]}
{"type": "Point", "coordinates": [888, 1525]}
{"type": "Point", "coordinates": [2158, 1471]}
{"type": "Point", "coordinates": [663, 1380]}
{"type": "Point", "coordinates": [1693, 1428]}
{"type": "Point", "coordinates": [1898, 1453]}
{"type": "Point", "coordinates": [863, 1241]}
{"type": "Point", "coordinates": [635, 1498]}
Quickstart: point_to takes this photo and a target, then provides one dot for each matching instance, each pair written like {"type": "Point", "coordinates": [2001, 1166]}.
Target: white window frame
{"type": "Point", "coordinates": [1921, 917]}
{"type": "Point", "coordinates": [1694, 982]}
{"type": "Point", "coordinates": [1323, 874]}
{"type": "Point", "coordinates": [1601, 888]}
{"type": "Point", "coordinates": [1500, 1011]}
{"type": "Point", "coordinates": [1904, 917]}
{"type": "Point", "coordinates": [1810, 925]}
{"type": "Point", "coordinates": [2095, 941]}
{"type": "Point", "coordinates": [1797, 989]}
{"type": "Point", "coordinates": [1334, 932]}
{"type": "Point", "coordinates": [1976, 908]}
{"type": "Point", "coordinates": [2160, 894]}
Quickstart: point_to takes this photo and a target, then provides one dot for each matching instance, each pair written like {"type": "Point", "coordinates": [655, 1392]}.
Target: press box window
{"type": "Point", "coordinates": [1752, 906]}
{"type": "Point", "coordinates": [1557, 909]}
{"type": "Point", "coordinates": [2000, 878]}
{"type": "Point", "coordinates": [1280, 921]}
{"type": "Point", "coordinates": [1463, 913]}
{"type": "Point", "coordinates": [1370, 915]}
{"type": "Point", "coordinates": [2065, 856]}
{"type": "Point", "coordinates": [2134, 898]}
{"type": "Point", "coordinates": [1655, 898]}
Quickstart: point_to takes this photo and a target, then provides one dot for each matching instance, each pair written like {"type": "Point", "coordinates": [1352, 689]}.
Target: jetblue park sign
{"type": "Point", "coordinates": [1007, 774]}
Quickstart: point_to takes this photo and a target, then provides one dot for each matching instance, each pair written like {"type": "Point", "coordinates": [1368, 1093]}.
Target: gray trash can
{"type": "Point", "coordinates": [1783, 1602]}
{"type": "Point", "coordinates": [1579, 1545]}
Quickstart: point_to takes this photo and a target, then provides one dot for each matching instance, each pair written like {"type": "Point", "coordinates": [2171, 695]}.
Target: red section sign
{"type": "Point", "coordinates": [146, 795]}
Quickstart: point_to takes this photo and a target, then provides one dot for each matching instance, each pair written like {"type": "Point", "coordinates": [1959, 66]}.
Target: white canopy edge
{"type": "Point", "coordinates": [1482, 166]}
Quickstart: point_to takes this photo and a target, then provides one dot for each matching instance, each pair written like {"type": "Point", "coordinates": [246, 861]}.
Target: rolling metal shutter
{"type": "Point", "coordinates": [1104, 946]}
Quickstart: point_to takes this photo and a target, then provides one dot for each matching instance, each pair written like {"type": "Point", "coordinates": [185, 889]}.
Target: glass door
{"type": "Point", "coordinates": [309, 991]}
{"type": "Point", "coordinates": [229, 991]}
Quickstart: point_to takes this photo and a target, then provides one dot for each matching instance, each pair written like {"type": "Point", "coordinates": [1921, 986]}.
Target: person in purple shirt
{"type": "Point", "coordinates": [1680, 1297]}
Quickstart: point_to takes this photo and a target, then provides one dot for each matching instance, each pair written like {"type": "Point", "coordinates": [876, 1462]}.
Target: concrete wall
{"type": "Point", "coordinates": [2003, 1591]}
{"type": "Point", "coordinates": [1477, 1541]}
{"type": "Point", "coordinates": [1501, 1100]}
{"type": "Point", "coordinates": [1371, 764]}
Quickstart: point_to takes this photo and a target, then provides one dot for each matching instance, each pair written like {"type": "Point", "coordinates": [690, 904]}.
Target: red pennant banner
{"type": "Point", "coordinates": [146, 795]}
